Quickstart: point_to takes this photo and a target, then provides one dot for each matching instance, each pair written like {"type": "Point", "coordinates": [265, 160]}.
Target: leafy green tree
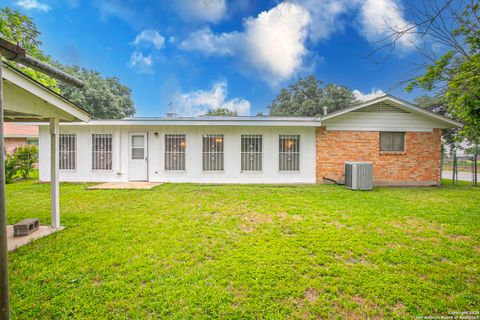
{"type": "Point", "coordinates": [221, 112]}
{"type": "Point", "coordinates": [448, 38]}
{"type": "Point", "coordinates": [26, 157]}
{"type": "Point", "coordinates": [307, 98]}
{"type": "Point", "coordinates": [473, 150]}
{"type": "Point", "coordinates": [105, 98]}
{"type": "Point", "coordinates": [438, 104]}
{"type": "Point", "coordinates": [19, 28]}
{"type": "Point", "coordinates": [11, 168]}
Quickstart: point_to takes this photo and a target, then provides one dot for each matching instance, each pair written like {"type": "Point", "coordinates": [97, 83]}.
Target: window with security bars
{"type": "Point", "coordinates": [251, 154]}
{"type": "Point", "coordinates": [67, 148]}
{"type": "Point", "coordinates": [289, 153]}
{"type": "Point", "coordinates": [174, 152]}
{"type": "Point", "coordinates": [392, 141]}
{"type": "Point", "coordinates": [213, 152]}
{"type": "Point", "coordinates": [102, 151]}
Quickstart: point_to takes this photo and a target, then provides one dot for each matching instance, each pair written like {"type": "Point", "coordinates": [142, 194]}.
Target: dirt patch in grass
{"type": "Point", "coordinates": [258, 218]}
{"type": "Point", "coordinates": [311, 295]}
{"type": "Point", "coordinates": [399, 309]}
{"type": "Point", "coordinates": [283, 216]}
{"type": "Point", "coordinates": [364, 309]}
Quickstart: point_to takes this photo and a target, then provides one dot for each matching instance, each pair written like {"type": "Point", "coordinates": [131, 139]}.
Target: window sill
{"type": "Point", "coordinates": [392, 153]}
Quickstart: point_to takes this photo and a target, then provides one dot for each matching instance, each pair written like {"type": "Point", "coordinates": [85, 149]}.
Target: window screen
{"type": "Point", "coordinates": [213, 152]}
{"type": "Point", "coordinates": [251, 152]}
{"type": "Point", "coordinates": [392, 141]}
{"type": "Point", "coordinates": [174, 152]}
{"type": "Point", "coordinates": [67, 147]}
{"type": "Point", "coordinates": [289, 157]}
{"type": "Point", "coordinates": [101, 151]}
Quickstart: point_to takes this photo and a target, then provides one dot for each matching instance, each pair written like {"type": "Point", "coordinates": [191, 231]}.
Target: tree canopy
{"type": "Point", "coordinates": [19, 28]}
{"type": "Point", "coordinates": [438, 104]}
{"type": "Point", "coordinates": [221, 112]}
{"type": "Point", "coordinates": [307, 98]}
{"type": "Point", "coordinates": [447, 39]}
{"type": "Point", "coordinates": [104, 97]}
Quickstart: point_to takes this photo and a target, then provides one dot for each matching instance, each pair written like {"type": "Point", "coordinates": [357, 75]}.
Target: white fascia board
{"type": "Point", "coordinates": [197, 123]}
{"type": "Point", "coordinates": [29, 85]}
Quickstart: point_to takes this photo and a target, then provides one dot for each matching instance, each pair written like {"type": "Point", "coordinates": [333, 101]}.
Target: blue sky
{"type": "Point", "coordinates": [204, 54]}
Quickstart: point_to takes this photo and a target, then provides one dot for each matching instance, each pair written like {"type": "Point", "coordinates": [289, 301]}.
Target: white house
{"type": "Point", "coordinates": [401, 139]}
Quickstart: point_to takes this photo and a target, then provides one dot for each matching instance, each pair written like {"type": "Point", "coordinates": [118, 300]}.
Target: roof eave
{"type": "Point", "coordinates": [402, 104]}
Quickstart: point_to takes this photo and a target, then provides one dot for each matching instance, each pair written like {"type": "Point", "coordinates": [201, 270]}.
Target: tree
{"type": "Point", "coordinates": [307, 98]}
{"type": "Point", "coordinates": [446, 34]}
{"type": "Point", "coordinates": [19, 28]}
{"type": "Point", "coordinates": [221, 112]}
{"type": "Point", "coordinates": [26, 157]}
{"type": "Point", "coordinates": [105, 98]}
{"type": "Point", "coordinates": [438, 104]}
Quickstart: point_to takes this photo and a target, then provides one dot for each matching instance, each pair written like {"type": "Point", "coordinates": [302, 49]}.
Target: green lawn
{"type": "Point", "coordinates": [203, 251]}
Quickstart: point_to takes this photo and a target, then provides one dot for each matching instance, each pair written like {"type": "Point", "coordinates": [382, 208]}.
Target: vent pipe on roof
{"type": "Point", "coordinates": [171, 113]}
{"type": "Point", "coordinates": [325, 111]}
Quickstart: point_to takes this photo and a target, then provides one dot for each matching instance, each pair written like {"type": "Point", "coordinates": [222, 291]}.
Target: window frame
{"type": "Point", "coordinates": [219, 155]}
{"type": "Point", "coordinates": [110, 135]}
{"type": "Point", "coordinates": [390, 148]}
{"type": "Point", "coordinates": [74, 152]}
{"type": "Point", "coordinates": [246, 166]}
{"type": "Point", "coordinates": [295, 153]}
{"type": "Point", "coordinates": [181, 153]}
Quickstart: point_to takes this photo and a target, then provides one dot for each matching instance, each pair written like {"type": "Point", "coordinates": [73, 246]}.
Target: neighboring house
{"type": "Point", "coordinates": [402, 140]}
{"type": "Point", "coordinates": [19, 135]}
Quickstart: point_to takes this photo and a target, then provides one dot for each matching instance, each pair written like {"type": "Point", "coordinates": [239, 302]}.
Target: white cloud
{"type": "Point", "coordinates": [146, 41]}
{"type": "Point", "coordinates": [272, 44]}
{"type": "Point", "coordinates": [141, 62]}
{"type": "Point", "coordinates": [275, 41]}
{"type": "Point", "coordinates": [368, 96]}
{"type": "Point", "coordinates": [379, 19]}
{"type": "Point", "coordinates": [205, 41]}
{"type": "Point", "coordinates": [199, 102]}
{"type": "Point", "coordinates": [202, 10]}
{"type": "Point", "coordinates": [326, 16]}
{"type": "Point", "coordinates": [149, 37]}
{"type": "Point", "coordinates": [33, 5]}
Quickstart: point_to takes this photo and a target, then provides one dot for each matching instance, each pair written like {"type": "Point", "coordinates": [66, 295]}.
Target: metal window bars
{"type": "Point", "coordinates": [67, 149]}
{"type": "Point", "coordinates": [251, 152]}
{"type": "Point", "coordinates": [102, 151]}
{"type": "Point", "coordinates": [212, 155]}
{"type": "Point", "coordinates": [289, 153]}
{"type": "Point", "coordinates": [175, 152]}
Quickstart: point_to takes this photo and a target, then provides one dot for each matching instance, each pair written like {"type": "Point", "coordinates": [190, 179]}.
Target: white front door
{"type": "Point", "coordinates": [138, 157]}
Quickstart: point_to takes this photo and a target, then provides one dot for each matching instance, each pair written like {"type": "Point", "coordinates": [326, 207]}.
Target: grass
{"type": "Point", "coordinates": [204, 251]}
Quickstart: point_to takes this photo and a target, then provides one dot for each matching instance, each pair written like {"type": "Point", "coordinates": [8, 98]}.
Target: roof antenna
{"type": "Point", "coordinates": [171, 113]}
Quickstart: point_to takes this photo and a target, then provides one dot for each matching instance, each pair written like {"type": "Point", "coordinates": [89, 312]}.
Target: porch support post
{"type": "Point", "coordinates": [4, 295]}
{"type": "Point", "coordinates": [54, 177]}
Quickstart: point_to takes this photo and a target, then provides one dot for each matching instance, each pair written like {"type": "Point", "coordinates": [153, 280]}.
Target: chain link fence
{"type": "Point", "coordinates": [461, 168]}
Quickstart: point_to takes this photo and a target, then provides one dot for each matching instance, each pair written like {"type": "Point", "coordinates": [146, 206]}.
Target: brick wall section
{"type": "Point", "coordinates": [419, 164]}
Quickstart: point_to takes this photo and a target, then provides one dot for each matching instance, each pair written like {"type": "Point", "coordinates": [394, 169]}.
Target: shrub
{"type": "Point", "coordinates": [26, 156]}
{"type": "Point", "coordinates": [11, 168]}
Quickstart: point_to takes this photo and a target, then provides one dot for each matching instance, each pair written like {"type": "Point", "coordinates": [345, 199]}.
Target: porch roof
{"type": "Point", "coordinates": [27, 100]}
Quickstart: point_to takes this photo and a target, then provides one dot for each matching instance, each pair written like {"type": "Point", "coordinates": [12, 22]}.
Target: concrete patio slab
{"type": "Point", "coordinates": [14, 243]}
{"type": "Point", "coordinates": [124, 185]}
